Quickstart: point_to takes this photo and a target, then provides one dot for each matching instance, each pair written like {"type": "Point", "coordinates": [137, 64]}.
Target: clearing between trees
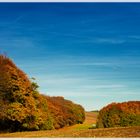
{"type": "Point", "coordinates": [81, 130]}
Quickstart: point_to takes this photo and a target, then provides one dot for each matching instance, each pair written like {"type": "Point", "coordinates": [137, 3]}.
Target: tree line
{"type": "Point", "coordinates": [23, 108]}
{"type": "Point", "coordinates": [119, 114]}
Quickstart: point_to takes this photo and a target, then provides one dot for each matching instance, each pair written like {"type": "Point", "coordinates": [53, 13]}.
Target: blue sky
{"type": "Point", "coordinates": [87, 52]}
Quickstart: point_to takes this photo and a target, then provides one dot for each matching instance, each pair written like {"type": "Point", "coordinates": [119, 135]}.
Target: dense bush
{"type": "Point", "coordinates": [23, 108]}
{"type": "Point", "coordinates": [120, 114]}
{"type": "Point", "coordinates": [65, 112]}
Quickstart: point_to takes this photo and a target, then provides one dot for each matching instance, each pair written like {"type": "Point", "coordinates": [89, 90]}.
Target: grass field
{"type": "Point", "coordinates": [81, 130]}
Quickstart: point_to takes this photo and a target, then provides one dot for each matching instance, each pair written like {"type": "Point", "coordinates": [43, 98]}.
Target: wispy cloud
{"type": "Point", "coordinates": [109, 86]}
{"type": "Point", "coordinates": [14, 21]}
{"type": "Point", "coordinates": [63, 62]}
{"type": "Point", "coordinates": [20, 42]}
{"type": "Point", "coordinates": [90, 39]}
{"type": "Point", "coordinates": [59, 80]}
{"type": "Point", "coordinates": [109, 40]}
{"type": "Point", "coordinates": [102, 64]}
{"type": "Point", "coordinates": [137, 37]}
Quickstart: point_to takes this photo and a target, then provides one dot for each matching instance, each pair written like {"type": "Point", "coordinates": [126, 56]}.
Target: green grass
{"type": "Point", "coordinates": [95, 111]}
{"type": "Point", "coordinates": [82, 127]}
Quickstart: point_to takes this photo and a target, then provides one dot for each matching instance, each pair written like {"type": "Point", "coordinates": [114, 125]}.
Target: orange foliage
{"type": "Point", "coordinates": [120, 114]}
{"type": "Point", "coordinates": [65, 112]}
{"type": "Point", "coordinates": [23, 108]}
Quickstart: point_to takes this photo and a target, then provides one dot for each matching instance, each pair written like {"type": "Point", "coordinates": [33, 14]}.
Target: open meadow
{"type": "Point", "coordinates": [80, 130]}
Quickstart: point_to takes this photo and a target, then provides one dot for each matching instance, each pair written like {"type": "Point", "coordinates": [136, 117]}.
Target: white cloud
{"type": "Point", "coordinates": [137, 37]}
{"type": "Point", "coordinates": [109, 40]}
{"type": "Point", "coordinates": [59, 81]}
{"type": "Point", "coordinates": [111, 86]}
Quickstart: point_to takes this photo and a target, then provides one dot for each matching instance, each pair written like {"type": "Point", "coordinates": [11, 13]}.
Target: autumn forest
{"type": "Point", "coordinates": [23, 108]}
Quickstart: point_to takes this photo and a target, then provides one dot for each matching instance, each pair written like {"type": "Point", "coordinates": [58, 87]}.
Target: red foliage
{"type": "Point", "coordinates": [65, 112]}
